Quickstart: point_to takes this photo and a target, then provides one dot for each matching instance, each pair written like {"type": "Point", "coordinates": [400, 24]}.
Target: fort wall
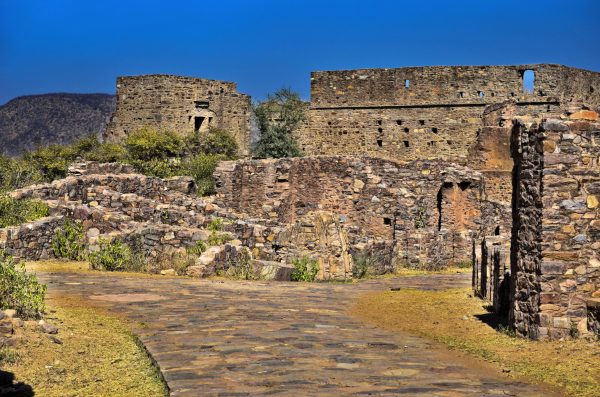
{"type": "Point", "coordinates": [430, 112]}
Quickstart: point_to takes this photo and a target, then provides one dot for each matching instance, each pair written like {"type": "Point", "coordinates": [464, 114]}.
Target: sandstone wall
{"type": "Point", "coordinates": [429, 112]}
{"type": "Point", "coordinates": [427, 211]}
{"type": "Point", "coordinates": [180, 104]}
{"type": "Point", "coordinates": [556, 231]}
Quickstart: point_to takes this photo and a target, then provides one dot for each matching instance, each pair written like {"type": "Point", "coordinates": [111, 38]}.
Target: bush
{"type": "Point", "coordinates": [148, 144]}
{"type": "Point", "coordinates": [112, 256]}
{"type": "Point", "coordinates": [218, 141]}
{"type": "Point", "coordinates": [363, 263]}
{"type": "Point", "coordinates": [52, 161]}
{"type": "Point", "coordinates": [69, 242]}
{"type": "Point", "coordinates": [19, 290]}
{"type": "Point", "coordinates": [107, 153]}
{"type": "Point", "coordinates": [305, 269]}
{"type": "Point", "coordinates": [14, 212]}
{"type": "Point", "coordinates": [196, 249]}
{"type": "Point", "coordinates": [201, 168]}
{"type": "Point", "coordinates": [277, 118]}
{"type": "Point", "coordinates": [16, 173]}
{"type": "Point", "coordinates": [161, 168]}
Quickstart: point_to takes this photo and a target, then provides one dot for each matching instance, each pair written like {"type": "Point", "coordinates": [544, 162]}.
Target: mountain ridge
{"type": "Point", "coordinates": [29, 121]}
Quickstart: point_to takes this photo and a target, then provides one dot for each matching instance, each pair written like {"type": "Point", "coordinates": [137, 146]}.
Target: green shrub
{"type": "Point", "coordinates": [215, 225]}
{"type": "Point", "coordinates": [161, 168]}
{"type": "Point", "coordinates": [277, 118]}
{"type": "Point", "coordinates": [305, 269]}
{"type": "Point", "coordinates": [52, 161]}
{"type": "Point", "coordinates": [14, 212]}
{"type": "Point", "coordinates": [69, 242]}
{"type": "Point", "coordinates": [16, 173]}
{"type": "Point", "coordinates": [217, 238]}
{"type": "Point", "coordinates": [365, 262]}
{"type": "Point", "coordinates": [218, 141]}
{"type": "Point", "coordinates": [201, 168]}
{"type": "Point", "coordinates": [196, 249]}
{"type": "Point", "coordinates": [149, 144]}
{"type": "Point", "coordinates": [360, 266]}
{"type": "Point", "coordinates": [8, 356]}
{"type": "Point", "coordinates": [107, 153]}
{"type": "Point", "coordinates": [112, 256]}
{"type": "Point", "coordinates": [20, 290]}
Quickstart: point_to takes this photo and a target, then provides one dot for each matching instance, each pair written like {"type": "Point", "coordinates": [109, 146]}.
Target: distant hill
{"type": "Point", "coordinates": [36, 120]}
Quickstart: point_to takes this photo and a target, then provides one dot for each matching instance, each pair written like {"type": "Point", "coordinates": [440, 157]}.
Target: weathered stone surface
{"type": "Point", "coordinates": [180, 104]}
{"type": "Point", "coordinates": [557, 228]}
{"type": "Point", "coordinates": [433, 112]}
{"type": "Point", "coordinates": [275, 271]}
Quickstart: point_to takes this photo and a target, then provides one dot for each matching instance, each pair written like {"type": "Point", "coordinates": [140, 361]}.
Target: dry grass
{"type": "Point", "coordinates": [58, 266]}
{"type": "Point", "coordinates": [573, 365]}
{"type": "Point", "coordinates": [99, 356]}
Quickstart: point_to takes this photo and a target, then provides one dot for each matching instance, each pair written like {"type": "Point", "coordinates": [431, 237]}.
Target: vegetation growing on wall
{"type": "Point", "coordinates": [277, 118]}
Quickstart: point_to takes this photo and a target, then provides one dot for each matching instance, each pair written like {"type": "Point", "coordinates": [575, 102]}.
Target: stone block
{"type": "Point", "coordinates": [275, 271]}
{"type": "Point", "coordinates": [553, 267]}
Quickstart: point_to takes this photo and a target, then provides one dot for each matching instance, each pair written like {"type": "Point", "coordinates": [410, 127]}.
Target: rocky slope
{"type": "Point", "coordinates": [35, 120]}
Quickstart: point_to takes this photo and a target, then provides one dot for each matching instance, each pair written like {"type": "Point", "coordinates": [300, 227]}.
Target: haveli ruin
{"type": "Point", "coordinates": [420, 167]}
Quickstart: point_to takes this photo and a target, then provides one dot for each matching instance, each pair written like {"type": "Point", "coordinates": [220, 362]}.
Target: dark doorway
{"type": "Point", "coordinates": [198, 121]}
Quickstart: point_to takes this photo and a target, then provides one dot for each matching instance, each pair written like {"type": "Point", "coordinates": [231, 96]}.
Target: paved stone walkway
{"type": "Point", "coordinates": [256, 338]}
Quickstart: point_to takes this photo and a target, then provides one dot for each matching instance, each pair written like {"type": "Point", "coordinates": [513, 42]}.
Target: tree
{"type": "Point", "coordinates": [277, 118]}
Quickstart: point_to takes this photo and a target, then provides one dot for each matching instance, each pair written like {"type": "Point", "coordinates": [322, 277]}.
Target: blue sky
{"type": "Point", "coordinates": [263, 45]}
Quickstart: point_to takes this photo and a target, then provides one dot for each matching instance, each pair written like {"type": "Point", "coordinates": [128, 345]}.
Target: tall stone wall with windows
{"type": "Point", "coordinates": [555, 264]}
{"type": "Point", "coordinates": [180, 104]}
{"type": "Point", "coordinates": [430, 112]}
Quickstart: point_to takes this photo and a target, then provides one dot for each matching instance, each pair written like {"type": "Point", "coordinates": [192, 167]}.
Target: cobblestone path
{"type": "Point", "coordinates": [231, 338]}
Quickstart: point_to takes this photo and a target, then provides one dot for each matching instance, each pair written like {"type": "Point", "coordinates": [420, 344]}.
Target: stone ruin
{"type": "Point", "coordinates": [180, 104]}
{"type": "Point", "coordinates": [419, 167]}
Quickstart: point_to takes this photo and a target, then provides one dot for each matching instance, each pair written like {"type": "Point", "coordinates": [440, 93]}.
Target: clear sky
{"type": "Point", "coordinates": [263, 45]}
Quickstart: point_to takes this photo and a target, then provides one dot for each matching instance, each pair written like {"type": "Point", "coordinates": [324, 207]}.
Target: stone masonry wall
{"type": "Point", "coordinates": [556, 230]}
{"type": "Point", "coordinates": [427, 211]}
{"type": "Point", "coordinates": [180, 104]}
{"type": "Point", "coordinates": [429, 112]}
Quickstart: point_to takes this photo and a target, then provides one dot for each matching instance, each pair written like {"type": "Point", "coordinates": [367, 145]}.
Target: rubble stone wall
{"type": "Point", "coordinates": [556, 232]}
{"type": "Point", "coordinates": [180, 104]}
{"type": "Point", "coordinates": [428, 211]}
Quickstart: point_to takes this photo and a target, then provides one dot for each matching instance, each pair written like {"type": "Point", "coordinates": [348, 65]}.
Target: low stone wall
{"type": "Point", "coordinates": [73, 188]}
{"type": "Point", "coordinates": [556, 233]}
{"type": "Point", "coordinates": [32, 241]}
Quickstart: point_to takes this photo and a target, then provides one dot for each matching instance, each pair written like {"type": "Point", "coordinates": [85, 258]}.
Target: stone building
{"type": "Point", "coordinates": [430, 112]}
{"type": "Point", "coordinates": [180, 104]}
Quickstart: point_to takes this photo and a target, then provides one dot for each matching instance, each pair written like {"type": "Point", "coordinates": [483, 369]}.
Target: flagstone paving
{"type": "Point", "coordinates": [233, 338]}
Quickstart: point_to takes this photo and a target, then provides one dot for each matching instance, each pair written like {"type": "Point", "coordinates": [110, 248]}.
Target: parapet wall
{"type": "Point", "coordinates": [555, 264]}
{"type": "Point", "coordinates": [451, 86]}
{"type": "Point", "coordinates": [180, 104]}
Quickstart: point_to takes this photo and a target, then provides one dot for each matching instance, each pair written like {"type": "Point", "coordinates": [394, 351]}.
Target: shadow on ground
{"type": "Point", "coordinates": [8, 387]}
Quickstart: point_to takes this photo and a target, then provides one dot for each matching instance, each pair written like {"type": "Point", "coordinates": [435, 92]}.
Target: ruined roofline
{"type": "Point", "coordinates": [517, 66]}
{"type": "Point", "coordinates": [232, 84]}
